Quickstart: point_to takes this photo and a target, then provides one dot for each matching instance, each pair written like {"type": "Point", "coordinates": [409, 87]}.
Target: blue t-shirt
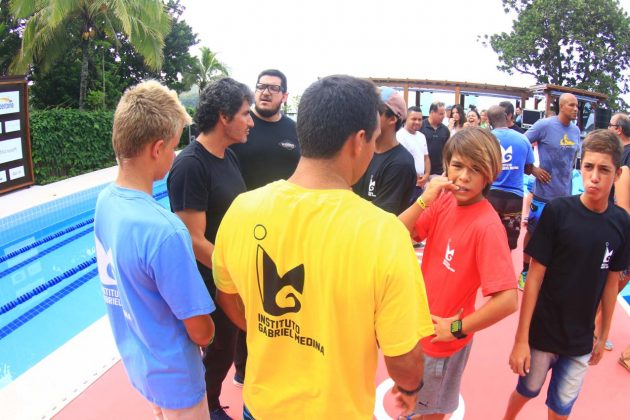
{"type": "Point", "coordinates": [558, 145]}
{"type": "Point", "coordinates": [516, 152]}
{"type": "Point", "coordinates": [150, 283]}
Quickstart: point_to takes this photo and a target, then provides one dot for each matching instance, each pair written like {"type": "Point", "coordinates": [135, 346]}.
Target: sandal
{"type": "Point", "coordinates": [625, 362]}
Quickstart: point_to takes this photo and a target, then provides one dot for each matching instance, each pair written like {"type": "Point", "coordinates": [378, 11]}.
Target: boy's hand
{"type": "Point", "coordinates": [541, 175]}
{"type": "Point", "coordinates": [443, 327]}
{"type": "Point", "coordinates": [406, 403]}
{"type": "Point", "coordinates": [435, 187]}
{"type": "Point", "coordinates": [520, 359]}
{"type": "Point", "coordinates": [598, 352]}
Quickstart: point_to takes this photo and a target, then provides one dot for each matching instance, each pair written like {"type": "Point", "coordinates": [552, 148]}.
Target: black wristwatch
{"type": "Point", "coordinates": [412, 392]}
{"type": "Point", "coordinates": [456, 329]}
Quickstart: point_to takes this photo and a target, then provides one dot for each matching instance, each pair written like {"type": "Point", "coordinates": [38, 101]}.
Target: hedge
{"type": "Point", "coordinates": [69, 142]}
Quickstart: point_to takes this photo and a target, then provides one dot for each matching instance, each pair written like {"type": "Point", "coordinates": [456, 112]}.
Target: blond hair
{"type": "Point", "coordinates": [480, 147]}
{"type": "Point", "coordinates": [146, 112]}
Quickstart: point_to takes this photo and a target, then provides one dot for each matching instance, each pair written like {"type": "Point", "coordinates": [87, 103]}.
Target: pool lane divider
{"type": "Point", "coordinates": [13, 254]}
{"type": "Point", "coordinates": [45, 252]}
{"type": "Point", "coordinates": [45, 286]}
{"type": "Point", "coordinates": [41, 307]}
{"type": "Point", "coordinates": [42, 241]}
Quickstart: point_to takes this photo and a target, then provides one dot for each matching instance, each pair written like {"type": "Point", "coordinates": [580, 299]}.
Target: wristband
{"type": "Point", "coordinates": [412, 392]}
{"type": "Point", "coordinates": [421, 203]}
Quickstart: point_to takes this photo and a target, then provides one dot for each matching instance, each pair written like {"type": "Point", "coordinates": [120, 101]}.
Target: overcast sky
{"type": "Point", "coordinates": [309, 39]}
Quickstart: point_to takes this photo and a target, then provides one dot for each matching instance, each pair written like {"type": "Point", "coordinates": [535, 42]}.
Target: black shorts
{"type": "Point", "coordinates": [510, 207]}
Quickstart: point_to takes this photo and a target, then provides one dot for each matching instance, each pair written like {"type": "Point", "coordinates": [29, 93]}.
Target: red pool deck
{"type": "Point", "coordinates": [486, 385]}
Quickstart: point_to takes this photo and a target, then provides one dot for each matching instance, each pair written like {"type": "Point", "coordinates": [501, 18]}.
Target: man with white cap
{"type": "Point", "coordinates": [390, 179]}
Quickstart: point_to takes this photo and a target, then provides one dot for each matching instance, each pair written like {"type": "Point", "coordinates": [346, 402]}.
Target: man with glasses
{"type": "Point", "coordinates": [620, 125]}
{"type": "Point", "coordinates": [271, 153]}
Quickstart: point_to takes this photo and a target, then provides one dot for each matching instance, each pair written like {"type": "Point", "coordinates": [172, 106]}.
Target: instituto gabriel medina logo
{"type": "Point", "coordinates": [280, 295]}
{"type": "Point", "coordinates": [6, 103]}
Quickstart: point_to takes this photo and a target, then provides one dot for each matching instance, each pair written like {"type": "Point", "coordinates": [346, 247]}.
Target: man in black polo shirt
{"type": "Point", "coordinates": [437, 134]}
{"type": "Point", "coordinates": [271, 153]}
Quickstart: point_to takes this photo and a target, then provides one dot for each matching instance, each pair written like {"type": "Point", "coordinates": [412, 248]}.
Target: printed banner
{"type": "Point", "coordinates": [9, 102]}
{"type": "Point", "coordinates": [15, 173]}
{"type": "Point", "coordinates": [13, 125]}
{"type": "Point", "coordinates": [10, 150]}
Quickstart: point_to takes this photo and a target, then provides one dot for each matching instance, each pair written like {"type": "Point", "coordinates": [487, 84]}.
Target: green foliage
{"type": "Point", "coordinates": [177, 59]}
{"type": "Point", "coordinates": [9, 37]}
{"type": "Point", "coordinates": [206, 69]}
{"type": "Point", "coordinates": [54, 26]}
{"type": "Point", "coordinates": [573, 43]}
{"type": "Point", "coordinates": [68, 142]}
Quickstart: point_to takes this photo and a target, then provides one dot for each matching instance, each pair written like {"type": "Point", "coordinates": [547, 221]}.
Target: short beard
{"type": "Point", "coordinates": [267, 113]}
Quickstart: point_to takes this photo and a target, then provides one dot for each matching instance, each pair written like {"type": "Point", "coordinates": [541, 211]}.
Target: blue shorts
{"type": "Point", "coordinates": [567, 376]}
{"type": "Point", "coordinates": [535, 210]}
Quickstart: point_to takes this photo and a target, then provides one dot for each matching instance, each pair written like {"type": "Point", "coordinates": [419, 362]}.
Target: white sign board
{"type": "Point", "coordinates": [9, 102]}
{"type": "Point", "coordinates": [10, 150]}
{"type": "Point", "coordinates": [13, 125]}
{"type": "Point", "coordinates": [3, 176]}
{"type": "Point", "coordinates": [15, 173]}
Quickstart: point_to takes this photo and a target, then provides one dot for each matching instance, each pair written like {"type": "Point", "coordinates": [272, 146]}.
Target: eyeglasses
{"type": "Point", "coordinates": [272, 88]}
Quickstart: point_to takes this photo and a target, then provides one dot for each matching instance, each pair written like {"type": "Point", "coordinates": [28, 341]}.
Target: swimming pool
{"type": "Point", "coordinates": [49, 286]}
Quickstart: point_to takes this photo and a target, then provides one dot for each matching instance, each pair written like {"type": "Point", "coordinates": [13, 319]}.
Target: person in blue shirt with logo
{"type": "Point", "coordinates": [506, 192]}
{"type": "Point", "coordinates": [558, 140]}
{"type": "Point", "coordinates": [157, 303]}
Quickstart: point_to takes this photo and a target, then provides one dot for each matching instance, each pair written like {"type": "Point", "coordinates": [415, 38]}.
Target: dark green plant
{"type": "Point", "coordinates": [68, 142]}
{"type": "Point", "coordinates": [573, 43]}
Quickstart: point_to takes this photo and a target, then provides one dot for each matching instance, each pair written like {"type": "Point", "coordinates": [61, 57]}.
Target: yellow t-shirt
{"type": "Point", "coordinates": [325, 277]}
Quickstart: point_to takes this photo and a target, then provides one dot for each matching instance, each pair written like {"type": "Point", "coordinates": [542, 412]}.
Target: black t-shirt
{"type": "Point", "coordinates": [625, 160]}
{"type": "Point", "coordinates": [389, 180]}
{"type": "Point", "coordinates": [436, 139]}
{"type": "Point", "coordinates": [201, 181]}
{"type": "Point", "coordinates": [579, 248]}
{"type": "Point", "coordinates": [271, 152]}
{"type": "Point", "coordinates": [518, 129]}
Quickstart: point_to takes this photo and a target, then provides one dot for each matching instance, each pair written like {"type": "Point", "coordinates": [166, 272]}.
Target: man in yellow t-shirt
{"type": "Point", "coordinates": [319, 277]}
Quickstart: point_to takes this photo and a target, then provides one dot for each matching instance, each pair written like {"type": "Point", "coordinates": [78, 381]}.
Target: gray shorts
{"type": "Point", "coordinates": [442, 380]}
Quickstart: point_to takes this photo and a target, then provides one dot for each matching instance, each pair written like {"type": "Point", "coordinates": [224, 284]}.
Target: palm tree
{"type": "Point", "coordinates": [207, 68]}
{"type": "Point", "coordinates": [47, 36]}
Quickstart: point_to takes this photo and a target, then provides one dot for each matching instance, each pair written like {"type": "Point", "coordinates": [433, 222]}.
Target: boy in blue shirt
{"type": "Point", "coordinates": [157, 304]}
{"type": "Point", "coordinates": [579, 248]}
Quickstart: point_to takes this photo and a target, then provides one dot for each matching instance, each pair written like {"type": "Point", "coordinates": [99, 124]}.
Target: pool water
{"type": "Point", "coordinates": [49, 288]}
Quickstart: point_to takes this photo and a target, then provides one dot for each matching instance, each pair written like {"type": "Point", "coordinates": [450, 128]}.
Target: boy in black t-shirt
{"type": "Point", "coordinates": [578, 249]}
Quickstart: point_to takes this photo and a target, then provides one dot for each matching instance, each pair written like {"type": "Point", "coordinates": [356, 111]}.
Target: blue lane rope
{"type": "Point", "coordinates": [40, 308]}
{"type": "Point", "coordinates": [13, 254]}
{"type": "Point", "coordinates": [45, 286]}
{"type": "Point", "coordinates": [42, 241]}
{"type": "Point", "coordinates": [45, 252]}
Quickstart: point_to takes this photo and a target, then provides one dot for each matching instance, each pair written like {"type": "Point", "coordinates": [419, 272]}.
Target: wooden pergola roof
{"type": "Point", "coordinates": [550, 92]}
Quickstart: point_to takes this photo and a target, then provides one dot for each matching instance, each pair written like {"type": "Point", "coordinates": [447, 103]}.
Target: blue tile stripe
{"type": "Point", "coordinates": [40, 308]}
{"type": "Point", "coordinates": [45, 286]}
{"type": "Point", "coordinates": [44, 252]}
{"type": "Point", "coordinates": [42, 241]}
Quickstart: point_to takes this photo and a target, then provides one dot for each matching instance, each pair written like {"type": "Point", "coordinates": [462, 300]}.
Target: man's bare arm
{"type": "Point", "coordinates": [233, 307]}
{"type": "Point", "coordinates": [195, 222]}
{"type": "Point", "coordinates": [200, 329]}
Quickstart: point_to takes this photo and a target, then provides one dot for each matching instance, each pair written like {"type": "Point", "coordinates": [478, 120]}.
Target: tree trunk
{"type": "Point", "coordinates": [84, 72]}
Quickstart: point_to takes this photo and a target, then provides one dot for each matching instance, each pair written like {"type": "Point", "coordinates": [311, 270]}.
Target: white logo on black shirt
{"type": "Point", "coordinates": [286, 144]}
{"type": "Point", "coordinates": [607, 255]}
{"type": "Point", "coordinates": [371, 187]}
{"type": "Point", "coordinates": [448, 257]}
